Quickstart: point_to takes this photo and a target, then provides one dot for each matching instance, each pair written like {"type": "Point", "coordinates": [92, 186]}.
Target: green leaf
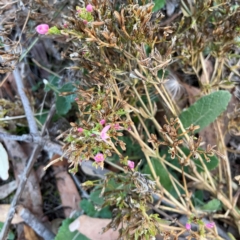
{"type": "Point", "coordinates": [91, 211]}
{"type": "Point", "coordinates": [161, 172]}
{"type": "Point", "coordinates": [94, 203]}
{"type": "Point", "coordinates": [211, 165]}
{"type": "Point", "coordinates": [158, 5]}
{"type": "Point", "coordinates": [205, 110]}
{"type": "Point", "coordinates": [68, 87]}
{"type": "Point", "coordinates": [52, 81]}
{"type": "Point", "coordinates": [36, 87]}
{"type": "Point", "coordinates": [54, 30]}
{"type": "Point", "coordinates": [134, 151]}
{"type": "Point", "coordinates": [64, 233]}
{"type": "Point", "coordinates": [212, 206]}
{"type": "Point", "coordinates": [198, 198]}
{"type": "Point", "coordinates": [42, 118]}
{"type": "Point", "coordinates": [10, 236]}
{"type": "Point", "coordinates": [63, 105]}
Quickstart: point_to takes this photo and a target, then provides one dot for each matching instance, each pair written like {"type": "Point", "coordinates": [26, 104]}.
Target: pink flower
{"type": "Point", "coordinates": [188, 226]}
{"type": "Point", "coordinates": [102, 122]}
{"type": "Point", "coordinates": [65, 25]}
{"type": "Point", "coordinates": [76, 99]}
{"type": "Point", "coordinates": [85, 21]}
{"type": "Point", "coordinates": [99, 157]}
{"type": "Point", "coordinates": [117, 126]}
{"type": "Point", "coordinates": [210, 225]}
{"type": "Point", "coordinates": [130, 164]}
{"type": "Point", "coordinates": [42, 28]}
{"type": "Point", "coordinates": [80, 130]}
{"type": "Point", "coordinates": [89, 8]}
{"type": "Point", "coordinates": [103, 134]}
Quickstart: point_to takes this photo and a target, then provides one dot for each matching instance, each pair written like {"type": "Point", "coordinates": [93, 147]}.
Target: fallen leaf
{"type": "Point", "coordinates": [7, 188]}
{"type": "Point", "coordinates": [4, 209]}
{"type": "Point", "coordinates": [29, 233]}
{"type": "Point", "coordinates": [68, 192]}
{"type": "Point", "coordinates": [4, 163]}
{"type": "Point", "coordinates": [88, 169]}
{"type": "Point", "coordinates": [92, 228]}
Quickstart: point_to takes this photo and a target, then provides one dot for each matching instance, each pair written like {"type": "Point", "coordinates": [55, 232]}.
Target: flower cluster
{"type": "Point", "coordinates": [207, 225]}
{"type": "Point", "coordinates": [83, 13]}
{"type": "Point", "coordinates": [96, 136]}
{"type": "Point", "coordinates": [200, 224]}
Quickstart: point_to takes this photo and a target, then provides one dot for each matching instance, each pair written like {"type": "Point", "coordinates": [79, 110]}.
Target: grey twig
{"type": "Point", "coordinates": [18, 194]}
{"type": "Point", "coordinates": [36, 225]}
{"type": "Point", "coordinates": [26, 104]}
{"type": "Point", "coordinates": [23, 181]}
{"type": "Point", "coordinates": [83, 193]}
{"type": "Point", "coordinates": [45, 142]}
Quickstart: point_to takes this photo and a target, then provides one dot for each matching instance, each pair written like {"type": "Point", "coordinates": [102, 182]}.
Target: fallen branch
{"type": "Point", "coordinates": [24, 178]}
{"type": "Point", "coordinates": [26, 104]}
{"type": "Point", "coordinates": [47, 144]}
{"type": "Point", "coordinates": [35, 224]}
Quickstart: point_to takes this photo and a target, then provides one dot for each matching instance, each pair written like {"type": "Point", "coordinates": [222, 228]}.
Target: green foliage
{"type": "Point", "coordinates": [212, 206]}
{"type": "Point", "coordinates": [64, 233]}
{"type": "Point", "coordinates": [211, 165]}
{"type": "Point", "coordinates": [62, 105]}
{"type": "Point", "coordinates": [205, 110]}
{"type": "Point", "coordinates": [10, 236]}
{"type": "Point", "coordinates": [162, 173]}
{"type": "Point", "coordinates": [90, 210]}
{"type": "Point", "coordinates": [54, 30]}
{"type": "Point", "coordinates": [52, 84]}
{"type": "Point", "coordinates": [42, 118]}
{"type": "Point", "coordinates": [91, 206]}
{"type": "Point", "coordinates": [134, 151]}
{"type": "Point", "coordinates": [63, 102]}
{"type": "Point", "coordinates": [158, 5]}
{"type": "Point", "coordinates": [198, 198]}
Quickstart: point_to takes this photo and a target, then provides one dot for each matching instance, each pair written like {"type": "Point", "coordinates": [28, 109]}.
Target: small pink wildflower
{"type": "Point", "coordinates": [65, 25]}
{"type": "Point", "coordinates": [117, 126]}
{"type": "Point", "coordinates": [85, 21]}
{"type": "Point", "coordinates": [76, 99]}
{"type": "Point", "coordinates": [99, 157]}
{"type": "Point", "coordinates": [102, 122]}
{"type": "Point", "coordinates": [89, 8]}
{"type": "Point", "coordinates": [42, 28]}
{"type": "Point", "coordinates": [188, 226]}
{"type": "Point", "coordinates": [130, 164]}
{"type": "Point", "coordinates": [210, 225]}
{"type": "Point", "coordinates": [129, 129]}
{"type": "Point", "coordinates": [104, 136]}
{"type": "Point", "coordinates": [80, 130]}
